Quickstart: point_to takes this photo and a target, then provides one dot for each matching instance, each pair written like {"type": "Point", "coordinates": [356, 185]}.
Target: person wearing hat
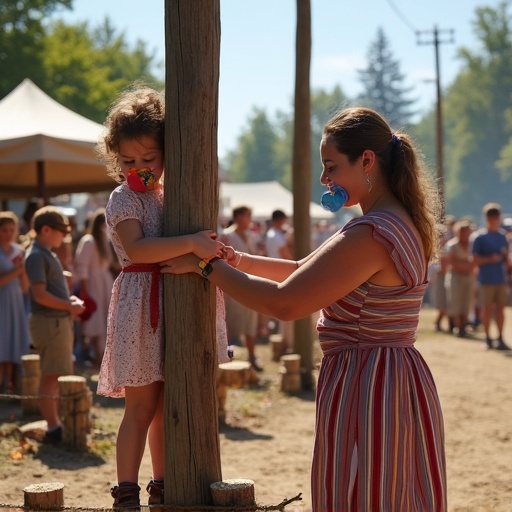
{"type": "Point", "coordinates": [52, 311]}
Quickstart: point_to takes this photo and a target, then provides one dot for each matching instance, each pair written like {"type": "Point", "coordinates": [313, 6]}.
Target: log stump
{"type": "Point", "coordinates": [75, 406]}
{"type": "Point", "coordinates": [236, 492]}
{"type": "Point", "coordinates": [290, 373]}
{"type": "Point", "coordinates": [30, 384]}
{"type": "Point", "coordinates": [235, 375]}
{"type": "Point", "coordinates": [44, 496]}
{"type": "Point", "coordinates": [278, 346]}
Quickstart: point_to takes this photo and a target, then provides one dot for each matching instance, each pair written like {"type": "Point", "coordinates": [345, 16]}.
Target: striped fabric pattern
{"type": "Point", "coordinates": [379, 441]}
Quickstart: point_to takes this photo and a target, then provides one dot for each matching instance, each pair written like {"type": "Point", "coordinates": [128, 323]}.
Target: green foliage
{"type": "Point", "coordinates": [21, 40]}
{"type": "Point", "coordinates": [383, 84]}
{"type": "Point", "coordinates": [254, 158]}
{"type": "Point", "coordinates": [82, 68]}
{"type": "Point", "coordinates": [72, 51]}
{"type": "Point", "coordinates": [477, 111]}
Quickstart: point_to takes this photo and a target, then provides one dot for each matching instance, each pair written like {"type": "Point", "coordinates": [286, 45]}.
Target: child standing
{"type": "Point", "coordinates": [52, 312]}
{"type": "Point", "coordinates": [133, 366]}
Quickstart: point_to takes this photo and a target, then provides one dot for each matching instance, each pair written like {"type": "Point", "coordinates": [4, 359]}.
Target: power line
{"type": "Point", "coordinates": [402, 16]}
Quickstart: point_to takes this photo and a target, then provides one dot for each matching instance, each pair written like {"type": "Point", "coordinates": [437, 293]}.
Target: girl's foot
{"type": "Point", "coordinates": [156, 492]}
{"type": "Point", "coordinates": [126, 495]}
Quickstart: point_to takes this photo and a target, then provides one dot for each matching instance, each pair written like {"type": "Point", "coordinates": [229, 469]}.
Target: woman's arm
{"type": "Point", "coordinates": [338, 267]}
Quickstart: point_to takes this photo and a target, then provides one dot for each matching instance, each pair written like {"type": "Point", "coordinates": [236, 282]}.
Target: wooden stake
{"type": "Point", "coordinates": [290, 372]}
{"type": "Point", "coordinates": [236, 492]}
{"type": "Point", "coordinates": [235, 374]}
{"type": "Point", "coordinates": [278, 346]}
{"type": "Point", "coordinates": [44, 496]}
{"type": "Point", "coordinates": [75, 405]}
{"type": "Point", "coordinates": [30, 384]}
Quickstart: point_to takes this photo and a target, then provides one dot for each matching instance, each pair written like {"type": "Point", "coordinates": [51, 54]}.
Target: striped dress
{"type": "Point", "coordinates": [379, 440]}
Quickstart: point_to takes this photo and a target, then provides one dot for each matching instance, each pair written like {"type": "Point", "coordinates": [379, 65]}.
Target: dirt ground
{"type": "Point", "coordinates": [268, 436]}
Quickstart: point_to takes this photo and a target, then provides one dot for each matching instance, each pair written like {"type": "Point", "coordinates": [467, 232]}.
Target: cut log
{"type": "Point", "coordinates": [34, 430]}
{"type": "Point", "coordinates": [235, 375]}
{"type": "Point", "coordinates": [236, 492]}
{"type": "Point", "coordinates": [278, 346]}
{"type": "Point", "coordinates": [44, 496]}
{"type": "Point", "coordinates": [290, 371]}
{"type": "Point", "coordinates": [30, 384]}
{"type": "Point", "coordinates": [75, 406]}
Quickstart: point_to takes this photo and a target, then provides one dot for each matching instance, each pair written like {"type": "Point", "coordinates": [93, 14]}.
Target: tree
{"type": "Point", "coordinates": [71, 51]}
{"type": "Point", "coordinates": [477, 109]}
{"type": "Point", "coordinates": [383, 84]}
{"type": "Point", "coordinates": [22, 33]}
{"type": "Point", "coordinates": [254, 158]}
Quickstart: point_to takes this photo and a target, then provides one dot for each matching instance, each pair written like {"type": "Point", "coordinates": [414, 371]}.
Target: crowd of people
{"type": "Point", "coordinates": [471, 280]}
{"type": "Point", "coordinates": [379, 437]}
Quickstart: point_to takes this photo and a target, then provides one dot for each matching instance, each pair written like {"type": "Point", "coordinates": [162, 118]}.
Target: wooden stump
{"type": "Point", "coordinates": [75, 405]}
{"type": "Point", "coordinates": [30, 383]}
{"type": "Point", "coordinates": [44, 496]}
{"type": "Point", "coordinates": [236, 492]}
{"type": "Point", "coordinates": [290, 371]}
{"type": "Point", "coordinates": [235, 375]}
{"type": "Point", "coordinates": [278, 346]}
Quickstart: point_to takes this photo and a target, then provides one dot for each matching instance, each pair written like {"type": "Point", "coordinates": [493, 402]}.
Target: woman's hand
{"type": "Point", "coordinates": [186, 264]}
{"type": "Point", "coordinates": [229, 255]}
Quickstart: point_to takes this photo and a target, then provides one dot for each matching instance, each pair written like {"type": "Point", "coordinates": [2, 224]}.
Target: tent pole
{"type": "Point", "coordinates": [40, 190]}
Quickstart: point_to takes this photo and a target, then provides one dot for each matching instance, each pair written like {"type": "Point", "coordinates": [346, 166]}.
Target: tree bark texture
{"type": "Point", "coordinates": [301, 169]}
{"type": "Point", "coordinates": [192, 451]}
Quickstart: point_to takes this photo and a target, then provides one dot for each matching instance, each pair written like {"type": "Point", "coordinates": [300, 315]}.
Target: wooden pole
{"type": "Point", "coordinates": [192, 448]}
{"type": "Point", "coordinates": [30, 383]}
{"type": "Point", "coordinates": [301, 167]}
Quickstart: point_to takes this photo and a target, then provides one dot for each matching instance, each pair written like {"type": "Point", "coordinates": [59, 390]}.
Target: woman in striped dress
{"type": "Point", "coordinates": [379, 440]}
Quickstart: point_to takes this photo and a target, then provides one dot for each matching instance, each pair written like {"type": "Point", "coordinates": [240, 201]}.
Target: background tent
{"type": "Point", "coordinates": [263, 198]}
{"type": "Point", "coordinates": [45, 148]}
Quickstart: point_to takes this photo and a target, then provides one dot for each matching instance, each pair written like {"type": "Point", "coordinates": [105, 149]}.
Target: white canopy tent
{"type": "Point", "coordinates": [45, 148]}
{"type": "Point", "coordinates": [263, 198]}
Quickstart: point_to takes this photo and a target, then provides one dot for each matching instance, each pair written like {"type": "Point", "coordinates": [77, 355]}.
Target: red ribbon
{"type": "Point", "coordinates": [154, 294]}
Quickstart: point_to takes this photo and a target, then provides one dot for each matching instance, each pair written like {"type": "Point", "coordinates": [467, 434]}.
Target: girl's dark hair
{"type": "Point", "coordinates": [355, 130]}
{"type": "Point", "coordinates": [138, 112]}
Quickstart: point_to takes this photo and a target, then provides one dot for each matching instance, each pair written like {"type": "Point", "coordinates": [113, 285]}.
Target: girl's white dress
{"type": "Point", "coordinates": [134, 352]}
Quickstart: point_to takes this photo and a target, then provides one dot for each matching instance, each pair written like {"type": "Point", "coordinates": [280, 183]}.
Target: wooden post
{"type": "Point", "coordinates": [278, 346]}
{"type": "Point", "coordinates": [236, 492]}
{"type": "Point", "coordinates": [290, 371]}
{"type": "Point", "coordinates": [45, 496]}
{"type": "Point", "coordinates": [301, 172]}
{"type": "Point", "coordinates": [192, 446]}
{"type": "Point", "coordinates": [75, 405]}
{"type": "Point", "coordinates": [30, 383]}
{"type": "Point", "coordinates": [234, 374]}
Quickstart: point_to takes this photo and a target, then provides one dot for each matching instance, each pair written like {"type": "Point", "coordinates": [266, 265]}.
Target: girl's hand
{"type": "Point", "coordinates": [186, 264]}
{"type": "Point", "coordinates": [205, 244]}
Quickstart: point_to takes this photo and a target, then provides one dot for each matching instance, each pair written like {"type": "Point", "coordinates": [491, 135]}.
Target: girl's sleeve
{"type": "Point", "coordinates": [122, 205]}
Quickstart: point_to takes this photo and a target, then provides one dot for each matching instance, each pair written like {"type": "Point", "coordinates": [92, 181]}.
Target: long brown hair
{"type": "Point", "coordinates": [355, 130]}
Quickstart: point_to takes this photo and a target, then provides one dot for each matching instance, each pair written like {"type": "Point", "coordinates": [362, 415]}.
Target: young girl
{"type": "Point", "coordinates": [132, 366]}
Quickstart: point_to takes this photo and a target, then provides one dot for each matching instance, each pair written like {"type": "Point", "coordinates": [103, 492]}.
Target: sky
{"type": "Point", "coordinates": [257, 62]}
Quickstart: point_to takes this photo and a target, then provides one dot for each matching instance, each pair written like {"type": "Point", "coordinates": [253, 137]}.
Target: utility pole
{"type": "Point", "coordinates": [436, 41]}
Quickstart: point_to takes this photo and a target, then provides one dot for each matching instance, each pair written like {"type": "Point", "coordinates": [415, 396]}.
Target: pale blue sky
{"type": "Point", "coordinates": [258, 42]}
